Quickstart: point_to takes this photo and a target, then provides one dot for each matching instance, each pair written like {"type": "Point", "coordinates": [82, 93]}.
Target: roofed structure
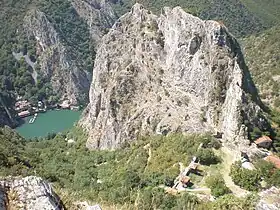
{"type": "Point", "coordinates": [264, 141]}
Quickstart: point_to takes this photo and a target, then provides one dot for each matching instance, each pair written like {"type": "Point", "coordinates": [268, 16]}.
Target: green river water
{"type": "Point", "coordinates": [52, 121]}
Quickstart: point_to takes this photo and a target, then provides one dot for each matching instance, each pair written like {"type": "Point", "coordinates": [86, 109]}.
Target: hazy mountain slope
{"type": "Point", "coordinates": [262, 53]}
{"type": "Point", "coordinates": [266, 10]}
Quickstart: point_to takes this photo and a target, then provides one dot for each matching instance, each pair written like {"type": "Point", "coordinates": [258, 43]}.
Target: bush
{"type": "Point", "coordinates": [210, 142]}
{"type": "Point", "coordinates": [207, 157]}
{"type": "Point", "coordinates": [217, 185]}
{"type": "Point", "coordinates": [247, 179]}
{"type": "Point", "coordinates": [268, 172]}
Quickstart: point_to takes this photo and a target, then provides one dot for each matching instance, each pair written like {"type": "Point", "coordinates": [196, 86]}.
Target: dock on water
{"type": "Point", "coordinates": [32, 120]}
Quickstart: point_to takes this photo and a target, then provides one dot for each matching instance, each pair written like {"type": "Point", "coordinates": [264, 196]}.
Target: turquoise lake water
{"type": "Point", "coordinates": [52, 121]}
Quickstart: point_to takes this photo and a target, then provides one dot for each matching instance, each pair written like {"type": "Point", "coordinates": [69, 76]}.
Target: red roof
{"type": "Point", "coordinates": [263, 139]}
{"type": "Point", "coordinates": [273, 159]}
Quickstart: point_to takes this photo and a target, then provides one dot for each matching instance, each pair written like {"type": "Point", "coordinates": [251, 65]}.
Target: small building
{"type": "Point", "coordinates": [65, 104]}
{"type": "Point", "coordinates": [40, 104]}
{"type": "Point", "coordinates": [22, 105]}
{"type": "Point", "coordinates": [24, 114]}
{"type": "Point", "coordinates": [264, 142]}
{"type": "Point", "coordinates": [186, 181]}
{"type": "Point", "coordinates": [273, 159]}
{"type": "Point", "coordinates": [194, 166]}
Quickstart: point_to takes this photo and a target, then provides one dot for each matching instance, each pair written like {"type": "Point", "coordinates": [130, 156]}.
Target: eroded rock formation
{"type": "Point", "coordinates": [28, 193]}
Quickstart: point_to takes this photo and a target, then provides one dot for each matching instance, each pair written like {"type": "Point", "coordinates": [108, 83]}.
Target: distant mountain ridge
{"type": "Point", "coordinates": [242, 17]}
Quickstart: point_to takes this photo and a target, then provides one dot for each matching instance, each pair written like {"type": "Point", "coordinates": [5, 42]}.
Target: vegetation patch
{"type": "Point", "coordinates": [251, 179]}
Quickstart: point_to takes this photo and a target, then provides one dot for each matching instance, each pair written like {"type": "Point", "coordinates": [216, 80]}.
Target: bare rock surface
{"type": "Point", "coordinates": [32, 193]}
{"type": "Point", "coordinates": [169, 73]}
{"type": "Point", "coordinates": [67, 75]}
{"type": "Point", "coordinates": [98, 14]}
{"type": "Point", "coordinates": [270, 199]}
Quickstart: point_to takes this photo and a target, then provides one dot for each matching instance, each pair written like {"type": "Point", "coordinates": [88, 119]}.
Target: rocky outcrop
{"type": "Point", "coordinates": [55, 62]}
{"type": "Point", "coordinates": [3, 199]}
{"type": "Point", "coordinates": [98, 14]}
{"type": "Point", "coordinates": [270, 199]}
{"type": "Point", "coordinates": [31, 193]}
{"type": "Point", "coordinates": [172, 73]}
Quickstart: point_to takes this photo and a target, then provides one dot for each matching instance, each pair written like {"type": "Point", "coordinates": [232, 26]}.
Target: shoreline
{"type": "Point", "coordinates": [52, 121]}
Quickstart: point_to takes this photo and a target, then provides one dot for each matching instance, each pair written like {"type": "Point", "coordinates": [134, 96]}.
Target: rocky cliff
{"type": "Point", "coordinates": [55, 61]}
{"type": "Point", "coordinates": [28, 193]}
{"type": "Point", "coordinates": [172, 73]}
{"type": "Point", "coordinates": [98, 14]}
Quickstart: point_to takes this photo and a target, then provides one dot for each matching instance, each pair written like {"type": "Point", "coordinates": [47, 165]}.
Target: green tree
{"type": "Point", "coordinates": [247, 179]}
{"type": "Point", "coordinates": [207, 156]}
{"type": "Point", "coordinates": [217, 185]}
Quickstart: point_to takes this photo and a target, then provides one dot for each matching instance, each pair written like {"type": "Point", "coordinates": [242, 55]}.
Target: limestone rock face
{"type": "Point", "coordinates": [55, 62]}
{"type": "Point", "coordinates": [31, 193]}
{"type": "Point", "coordinates": [99, 15]}
{"type": "Point", "coordinates": [172, 73]}
{"type": "Point", "coordinates": [270, 199]}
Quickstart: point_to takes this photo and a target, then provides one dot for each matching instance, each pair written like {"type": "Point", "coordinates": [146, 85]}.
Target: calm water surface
{"type": "Point", "coordinates": [52, 121]}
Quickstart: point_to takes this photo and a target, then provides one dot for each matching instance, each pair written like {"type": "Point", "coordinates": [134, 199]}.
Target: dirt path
{"type": "Point", "coordinates": [229, 158]}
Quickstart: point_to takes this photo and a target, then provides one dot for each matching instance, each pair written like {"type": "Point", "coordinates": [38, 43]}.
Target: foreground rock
{"type": "Point", "coordinates": [270, 199]}
{"type": "Point", "coordinates": [173, 73]}
{"type": "Point", "coordinates": [30, 193]}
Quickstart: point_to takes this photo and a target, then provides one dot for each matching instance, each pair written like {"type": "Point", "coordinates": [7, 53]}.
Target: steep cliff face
{"type": "Point", "coordinates": [28, 193]}
{"type": "Point", "coordinates": [99, 15]}
{"type": "Point", "coordinates": [55, 61]}
{"type": "Point", "coordinates": [173, 73]}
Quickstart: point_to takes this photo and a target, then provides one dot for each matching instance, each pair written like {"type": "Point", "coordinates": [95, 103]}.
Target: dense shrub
{"type": "Point", "coordinates": [247, 179]}
{"type": "Point", "coordinates": [207, 156]}
{"type": "Point", "coordinates": [217, 185]}
{"type": "Point", "coordinates": [268, 172]}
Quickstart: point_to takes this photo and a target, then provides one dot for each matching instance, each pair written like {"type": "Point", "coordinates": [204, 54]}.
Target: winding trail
{"type": "Point", "coordinates": [229, 158]}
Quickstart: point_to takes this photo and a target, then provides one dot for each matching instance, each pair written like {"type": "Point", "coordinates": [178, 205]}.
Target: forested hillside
{"type": "Point", "coordinates": [262, 54]}
{"type": "Point", "coordinates": [19, 51]}
{"type": "Point", "coordinates": [132, 177]}
{"type": "Point", "coordinates": [242, 17]}
{"type": "Point", "coordinates": [266, 10]}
